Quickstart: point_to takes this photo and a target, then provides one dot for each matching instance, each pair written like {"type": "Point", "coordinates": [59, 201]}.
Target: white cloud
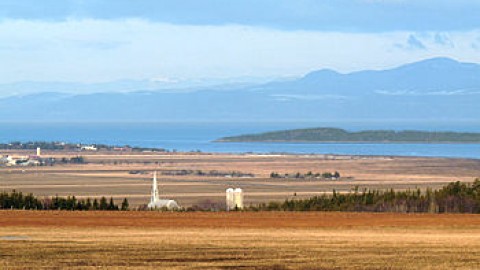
{"type": "Point", "coordinates": [443, 39]}
{"type": "Point", "coordinates": [414, 43]}
{"type": "Point", "coordinates": [458, 92]}
{"type": "Point", "coordinates": [285, 97]}
{"type": "Point", "coordinates": [105, 50]}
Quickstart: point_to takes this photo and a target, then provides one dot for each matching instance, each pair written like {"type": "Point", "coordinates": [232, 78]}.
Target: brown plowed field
{"type": "Point", "coordinates": [230, 220]}
{"type": "Point", "coordinates": [261, 240]}
{"type": "Point", "coordinates": [237, 240]}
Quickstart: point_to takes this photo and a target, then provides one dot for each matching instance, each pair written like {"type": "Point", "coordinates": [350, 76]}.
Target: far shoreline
{"type": "Point", "coordinates": [326, 156]}
{"type": "Point", "coordinates": [349, 149]}
{"type": "Point", "coordinates": [337, 142]}
{"type": "Point", "coordinates": [333, 135]}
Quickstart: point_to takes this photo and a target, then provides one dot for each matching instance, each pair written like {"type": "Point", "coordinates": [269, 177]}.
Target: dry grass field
{"type": "Point", "coordinates": [107, 174]}
{"type": "Point", "coordinates": [266, 240]}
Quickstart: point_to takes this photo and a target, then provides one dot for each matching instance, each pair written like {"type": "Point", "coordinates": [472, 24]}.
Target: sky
{"type": "Point", "coordinates": [93, 41]}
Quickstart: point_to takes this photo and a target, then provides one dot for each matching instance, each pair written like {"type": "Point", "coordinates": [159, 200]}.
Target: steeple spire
{"type": "Point", "coordinates": [154, 196]}
{"type": "Point", "coordinates": [156, 202]}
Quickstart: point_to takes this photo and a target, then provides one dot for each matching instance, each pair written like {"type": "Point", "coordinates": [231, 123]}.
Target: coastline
{"type": "Point", "coordinates": [339, 142]}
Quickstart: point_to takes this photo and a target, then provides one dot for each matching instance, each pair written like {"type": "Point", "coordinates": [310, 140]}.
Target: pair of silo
{"type": "Point", "coordinates": [234, 198]}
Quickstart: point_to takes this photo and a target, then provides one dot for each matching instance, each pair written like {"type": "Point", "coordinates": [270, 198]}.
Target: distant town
{"type": "Point", "coordinates": [35, 158]}
{"type": "Point", "coordinates": [74, 147]}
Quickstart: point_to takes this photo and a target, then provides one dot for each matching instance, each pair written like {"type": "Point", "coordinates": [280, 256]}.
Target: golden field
{"type": "Point", "coordinates": [236, 240]}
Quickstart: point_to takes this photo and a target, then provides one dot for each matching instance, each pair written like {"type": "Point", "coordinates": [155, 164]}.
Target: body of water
{"type": "Point", "coordinates": [200, 136]}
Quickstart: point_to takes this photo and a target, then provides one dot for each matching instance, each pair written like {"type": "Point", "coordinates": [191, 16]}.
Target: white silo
{"type": "Point", "coordinates": [238, 198]}
{"type": "Point", "coordinates": [230, 199]}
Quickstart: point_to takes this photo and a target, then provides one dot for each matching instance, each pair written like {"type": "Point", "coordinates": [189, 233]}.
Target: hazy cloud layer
{"type": "Point", "coordinates": [91, 50]}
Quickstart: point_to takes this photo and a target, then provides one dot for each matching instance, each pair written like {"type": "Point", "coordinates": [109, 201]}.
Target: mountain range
{"type": "Point", "coordinates": [432, 89]}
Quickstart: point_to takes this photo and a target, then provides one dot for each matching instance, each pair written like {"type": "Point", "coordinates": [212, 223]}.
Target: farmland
{"type": "Point", "coordinates": [266, 240]}
{"type": "Point", "coordinates": [115, 174]}
{"type": "Point", "coordinates": [235, 240]}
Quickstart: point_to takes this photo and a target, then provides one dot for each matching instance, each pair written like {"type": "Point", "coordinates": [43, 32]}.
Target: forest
{"type": "Point", "coordinates": [341, 135]}
{"type": "Point", "coordinates": [456, 197]}
{"type": "Point", "coordinates": [18, 200]}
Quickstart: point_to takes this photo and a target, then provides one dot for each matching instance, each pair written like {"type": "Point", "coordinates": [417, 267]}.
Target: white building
{"type": "Point", "coordinates": [89, 148]}
{"type": "Point", "coordinates": [229, 200]}
{"type": "Point", "coordinates": [234, 199]}
{"type": "Point", "coordinates": [6, 160]}
{"type": "Point", "coordinates": [156, 202]}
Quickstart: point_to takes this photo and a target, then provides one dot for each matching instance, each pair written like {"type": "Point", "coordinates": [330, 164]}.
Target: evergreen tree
{"type": "Point", "coordinates": [125, 204]}
{"type": "Point", "coordinates": [95, 205]}
{"type": "Point", "coordinates": [111, 205]}
{"type": "Point", "coordinates": [88, 204]}
{"type": "Point", "coordinates": [80, 205]}
{"type": "Point", "coordinates": [103, 204]}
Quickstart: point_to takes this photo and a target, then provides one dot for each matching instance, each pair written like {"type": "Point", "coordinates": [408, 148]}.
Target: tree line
{"type": "Point", "coordinates": [18, 200]}
{"type": "Point", "coordinates": [456, 197]}
{"type": "Point", "coordinates": [308, 175]}
{"type": "Point", "coordinates": [341, 135]}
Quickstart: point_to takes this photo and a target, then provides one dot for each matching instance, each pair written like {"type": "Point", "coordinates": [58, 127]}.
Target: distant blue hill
{"type": "Point", "coordinates": [368, 136]}
{"type": "Point", "coordinates": [433, 89]}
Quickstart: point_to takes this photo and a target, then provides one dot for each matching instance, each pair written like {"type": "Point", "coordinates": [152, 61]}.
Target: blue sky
{"type": "Point", "coordinates": [338, 15]}
{"type": "Point", "coordinates": [98, 41]}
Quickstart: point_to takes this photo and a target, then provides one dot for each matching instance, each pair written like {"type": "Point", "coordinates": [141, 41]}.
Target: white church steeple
{"type": "Point", "coordinates": [156, 202]}
{"type": "Point", "coordinates": [154, 196]}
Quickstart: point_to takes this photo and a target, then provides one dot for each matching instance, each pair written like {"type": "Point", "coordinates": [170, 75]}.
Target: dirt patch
{"type": "Point", "coordinates": [230, 220]}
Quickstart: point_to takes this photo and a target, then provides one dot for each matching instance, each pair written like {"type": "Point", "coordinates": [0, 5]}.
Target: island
{"type": "Point", "coordinates": [337, 135]}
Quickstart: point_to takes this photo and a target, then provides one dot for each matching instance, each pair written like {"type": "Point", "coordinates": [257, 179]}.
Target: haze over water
{"type": "Point", "coordinates": [200, 137]}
